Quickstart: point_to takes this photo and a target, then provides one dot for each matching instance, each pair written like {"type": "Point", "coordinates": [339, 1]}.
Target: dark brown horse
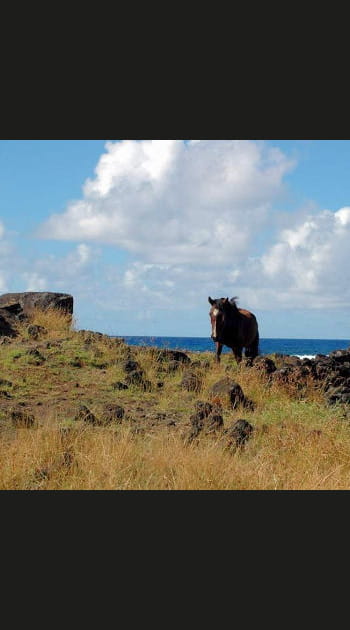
{"type": "Point", "coordinates": [233, 327]}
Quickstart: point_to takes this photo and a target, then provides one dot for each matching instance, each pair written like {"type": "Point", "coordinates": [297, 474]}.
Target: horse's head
{"type": "Point", "coordinates": [220, 311]}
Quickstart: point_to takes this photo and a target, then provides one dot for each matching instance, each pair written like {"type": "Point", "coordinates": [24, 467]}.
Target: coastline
{"type": "Point", "coordinates": [302, 348]}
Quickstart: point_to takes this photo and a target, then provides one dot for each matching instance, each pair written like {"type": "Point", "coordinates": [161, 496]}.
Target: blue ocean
{"type": "Point", "coordinates": [296, 347]}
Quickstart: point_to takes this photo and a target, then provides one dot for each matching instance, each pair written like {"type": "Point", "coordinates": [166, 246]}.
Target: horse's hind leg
{"type": "Point", "coordinates": [255, 346]}
{"type": "Point", "coordinates": [237, 352]}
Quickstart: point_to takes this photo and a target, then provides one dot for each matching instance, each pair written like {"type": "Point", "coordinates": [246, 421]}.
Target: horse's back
{"type": "Point", "coordinates": [247, 314]}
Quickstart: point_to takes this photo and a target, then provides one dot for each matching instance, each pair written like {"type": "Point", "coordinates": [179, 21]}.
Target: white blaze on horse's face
{"type": "Point", "coordinates": [215, 312]}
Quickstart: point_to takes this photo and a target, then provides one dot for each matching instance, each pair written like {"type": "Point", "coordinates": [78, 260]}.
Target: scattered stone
{"type": "Point", "coordinates": [67, 458]}
{"type": "Point", "coordinates": [76, 362]}
{"type": "Point", "coordinates": [263, 364]}
{"type": "Point", "coordinates": [119, 385]}
{"type": "Point", "coordinates": [5, 383]}
{"type": "Point", "coordinates": [34, 331]}
{"type": "Point", "coordinates": [281, 376]}
{"type": "Point", "coordinates": [65, 431]}
{"type": "Point", "coordinates": [53, 344]}
{"type": "Point", "coordinates": [113, 413]}
{"type": "Point", "coordinates": [338, 395]}
{"type": "Point", "coordinates": [169, 366]}
{"type": "Point", "coordinates": [137, 377]}
{"type": "Point", "coordinates": [131, 366]}
{"type": "Point", "coordinates": [171, 355]}
{"type": "Point", "coordinates": [89, 336]}
{"type": "Point", "coordinates": [214, 421]}
{"type": "Point", "coordinates": [41, 474]}
{"type": "Point", "coordinates": [36, 357]}
{"type": "Point", "coordinates": [4, 340]}
{"type": "Point", "coordinates": [21, 418]}
{"type": "Point", "coordinates": [229, 391]}
{"type": "Point", "coordinates": [203, 409]}
{"type": "Point", "coordinates": [191, 381]}
{"type": "Point", "coordinates": [238, 434]}
{"type": "Point", "coordinates": [207, 418]}
{"type": "Point", "coordinates": [5, 394]}
{"type": "Point", "coordinates": [86, 415]}
{"type": "Point", "coordinates": [100, 365]}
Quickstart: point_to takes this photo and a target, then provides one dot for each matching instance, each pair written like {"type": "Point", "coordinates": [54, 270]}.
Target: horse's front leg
{"type": "Point", "coordinates": [218, 351]}
{"type": "Point", "coordinates": [237, 352]}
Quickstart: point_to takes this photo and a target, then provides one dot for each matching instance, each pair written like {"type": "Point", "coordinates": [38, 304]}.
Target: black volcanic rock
{"type": "Point", "coordinates": [22, 303]}
{"type": "Point", "coordinates": [171, 355]}
{"type": "Point", "coordinates": [238, 434]}
{"type": "Point", "coordinates": [16, 307]}
{"type": "Point", "coordinates": [228, 390]}
{"type": "Point", "coordinates": [7, 324]}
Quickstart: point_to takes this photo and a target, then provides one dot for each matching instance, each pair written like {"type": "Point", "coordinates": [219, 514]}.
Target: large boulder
{"type": "Point", "coordinates": [20, 304]}
{"type": "Point", "coordinates": [7, 324]}
{"type": "Point", "coordinates": [16, 307]}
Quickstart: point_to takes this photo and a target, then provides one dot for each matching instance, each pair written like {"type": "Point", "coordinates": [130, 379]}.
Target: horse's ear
{"type": "Point", "coordinates": [211, 301]}
{"type": "Point", "coordinates": [225, 300]}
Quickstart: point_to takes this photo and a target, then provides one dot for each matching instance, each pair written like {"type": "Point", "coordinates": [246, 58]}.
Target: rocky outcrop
{"type": "Point", "coordinates": [16, 307]}
{"type": "Point", "coordinates": [263, 364]}
{"type": "Point", "coordinates": [330, 373]}
{"type": "Point", "coordinates": [22, 303]}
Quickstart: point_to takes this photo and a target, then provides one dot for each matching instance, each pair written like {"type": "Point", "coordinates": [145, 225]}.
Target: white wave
{"type": "Point", "coordinates": [305, 356]}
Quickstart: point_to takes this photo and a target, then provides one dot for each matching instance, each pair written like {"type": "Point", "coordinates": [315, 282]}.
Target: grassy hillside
{"type": "Point", "coordinates": [65, 424]}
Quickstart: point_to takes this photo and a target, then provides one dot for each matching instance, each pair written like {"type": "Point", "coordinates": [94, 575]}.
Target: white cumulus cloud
{"type": "Point", "coordinates": [308, 266]}
{"type": "Point", "coordinates": [171, 202]}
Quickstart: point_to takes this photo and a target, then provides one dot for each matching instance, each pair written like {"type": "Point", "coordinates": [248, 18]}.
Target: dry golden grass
{"type": "Point", "coordinates": [288, 458]}
{"type": "Point", "coordinates": [298, 442]}
{"type": "Point", "coordinates": [56, 321]}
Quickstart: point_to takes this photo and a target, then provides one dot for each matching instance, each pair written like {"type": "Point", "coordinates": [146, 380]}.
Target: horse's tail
{"type": "Point", "coordinates": [252, 351]}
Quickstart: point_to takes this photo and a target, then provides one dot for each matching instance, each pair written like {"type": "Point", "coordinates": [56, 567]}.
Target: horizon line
{"type": "Point", "coordinates": [261, 338]}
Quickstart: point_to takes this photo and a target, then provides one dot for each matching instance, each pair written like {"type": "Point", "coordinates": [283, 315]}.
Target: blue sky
{"type": "Point", "coordinates": [141, 232]}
